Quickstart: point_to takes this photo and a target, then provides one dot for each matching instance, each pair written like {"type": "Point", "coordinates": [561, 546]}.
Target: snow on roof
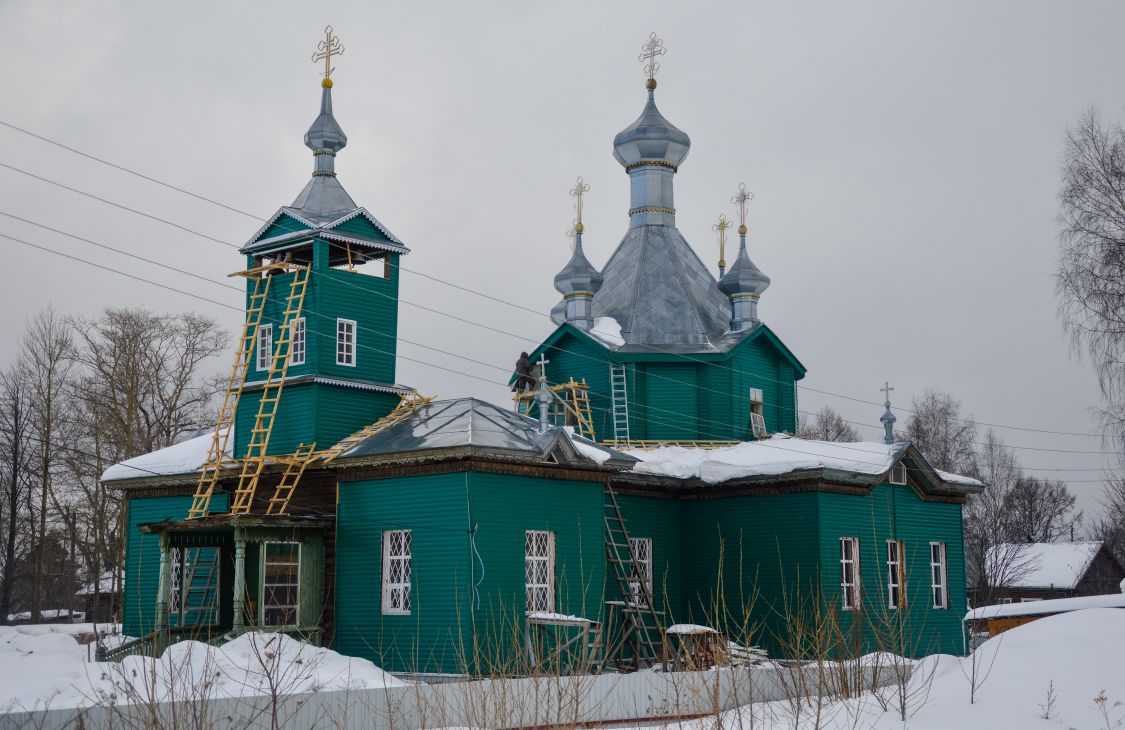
{"type": "Point", "coordinates": [689, 629]}
{"type": "Point", "coordinates": [608, 331]}
{"type": "Point", "coordinates": [1049, 564]}
{"type": "Point", "coordinates": [1049, 606]}
{"type": "Point", "coordinates": [780, 454]}
{"type": "Point", "coordinates": [958, 479]}
{"type": "Point", "coordinates": [105, 585]}
{"type": "Point", "coordinates": [182, 458]}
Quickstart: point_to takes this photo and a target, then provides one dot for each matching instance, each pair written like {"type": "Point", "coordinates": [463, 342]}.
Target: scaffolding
{"type": "Point", "coordinates": [571, 406]}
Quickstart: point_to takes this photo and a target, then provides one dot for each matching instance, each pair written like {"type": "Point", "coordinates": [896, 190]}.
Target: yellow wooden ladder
{"type": "Point", "coordinates": [406, 405]}
{"type": "Point", "coordinates": [295, 467]}
{"type": "Point", "coordinates": [254, 460]}
{"type": "Point", "coordinates": [217, 452]}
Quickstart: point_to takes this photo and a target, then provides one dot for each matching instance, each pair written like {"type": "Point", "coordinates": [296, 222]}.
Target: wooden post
{"type": "Point", "coordinates": [239, 603]}
{"type": "Point", "coordinates": [162, 588]}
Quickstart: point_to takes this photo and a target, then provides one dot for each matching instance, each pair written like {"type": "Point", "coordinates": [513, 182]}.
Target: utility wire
{"type": "Point", "coordinates": [457, 286]}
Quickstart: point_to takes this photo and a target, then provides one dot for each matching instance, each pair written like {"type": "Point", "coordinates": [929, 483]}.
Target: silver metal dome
{"type": "Point", "coordinates": [651, 138]}
{"type": "Point", "coordinates": [743, 277]}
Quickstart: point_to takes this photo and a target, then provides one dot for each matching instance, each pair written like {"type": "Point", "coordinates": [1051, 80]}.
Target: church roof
{"type": "Point", "coordinates": [651, 137]}
{"type": "Point", "coordinates": [470, 423]}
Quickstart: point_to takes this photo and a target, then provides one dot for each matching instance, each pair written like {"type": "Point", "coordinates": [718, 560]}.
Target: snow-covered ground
{"type": "Point", "coordinates": [41, 667]}
{"type": "Point", "coordinates": [1064, 671]}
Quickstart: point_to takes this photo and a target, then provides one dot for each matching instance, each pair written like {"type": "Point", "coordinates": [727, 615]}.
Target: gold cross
{"type": "Point", "coordinates": [722, 227]}
{"type": "Point", "coordinates": [576, 192]}
{"type": "Point", "coordinates": [325, 50]}
{"type": "Point", "coordinates": [652, 48]}
{"type": "Point", "coordinates": [741, 198]}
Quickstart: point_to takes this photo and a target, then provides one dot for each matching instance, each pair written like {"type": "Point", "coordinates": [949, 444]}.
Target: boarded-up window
{"type": "Point", "coordinates": [281, 583]}
{"type": "Point", "coordinates": [939, 582]}
{"type": "Point", "coordinates": [849, 573]}
{"type": "Point", "coordinates": [539, 568]}
{"type": "Point", "coordinates": [397, 546]}
{"type": "Point", "coordinates": [896, 574]}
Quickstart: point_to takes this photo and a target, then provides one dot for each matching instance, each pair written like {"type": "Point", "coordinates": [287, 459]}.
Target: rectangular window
{"type": "Point", "coordinates": [640, 587]}
{"type": "Point", "coordinates": [939, 582]}
{"type": "Point", "coordinates": [896, 574]}
{"type": "Point", "coordinates": [898, 473]}
{"type": "Point", "coordinates": [345, 342]}
{"type": "Point", "coordinates": [281, 580]}
{"type": "Point", "coordinates": [539, 569]}
{"type": "Point", "coordinates": [265, 346]}
{"type": "Point", "coordinates": [397, 545]}
{"type": "Point", "coordinates": [849, 573]}
{"type": "Point", "coordinates": [297, 341]}
{"type": "Point", "coordinates": [757, 413]}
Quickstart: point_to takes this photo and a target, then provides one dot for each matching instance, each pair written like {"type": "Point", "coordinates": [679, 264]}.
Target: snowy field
{"type": "Point", "coordinates": [1065, 671]}
{"type": "Point", "coordinates": [44, 666]}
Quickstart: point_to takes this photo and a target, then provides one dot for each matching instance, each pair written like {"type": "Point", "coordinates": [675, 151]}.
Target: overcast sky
{"type": "Point", "coordinates": [904, 158]}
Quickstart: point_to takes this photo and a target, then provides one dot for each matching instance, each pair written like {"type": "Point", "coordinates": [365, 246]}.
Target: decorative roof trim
{"type": "Point", "coordinates": [342, 382]}
{"type": "Point", "coordinates": [651, 163]}
{"type": "Point", "coordinates": [372, 219]}
{"type": "Point", "coordinates": [388, 246]}
{"type": "Point", "coordinates": [280, 212]}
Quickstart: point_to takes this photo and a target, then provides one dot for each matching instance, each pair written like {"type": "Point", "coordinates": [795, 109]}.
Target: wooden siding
{"type": "Point", "coordinates": [341, 411]}
{"type": "Point", "coordinates": [671, 402]}
{"type": "Point", "coordinates": [577, 357]}
{"type": "Point", "coordinates": [362, 226]}
{"type": "Point", "coordinates": [294, 424]}
{"type": "Point", "coordinates": [284, 224]}
{"type": "Point", "coordinates": [142, 556]}
{"type": "Point", "coordinates": [896, 512]}
{"type": "Point", "coordinates": [435, 509]}
{"type": "Point", "coordinates": [662, 521]}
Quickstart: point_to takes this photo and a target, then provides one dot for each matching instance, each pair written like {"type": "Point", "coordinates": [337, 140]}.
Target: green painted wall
{"type": "Point", "coordinates": [435, 509]}
{"type": "Point", "coordinates": [897, 512]}
{"type": "Point", "coordinates": [662, 521]}
{"type": "Point", "coordinates": [142, 556]}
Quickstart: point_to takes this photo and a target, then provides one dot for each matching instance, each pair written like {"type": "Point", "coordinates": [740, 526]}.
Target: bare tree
{"type": "Point", "coordinates": [1041, 510]}
{"type": "Point", "coordinates": [46, 361]}
{"type": "Point", "coordinates": [1110, 527]}
{"type": "Point", "coordinates": [987, 522]}
{"type": "Point", "coordinates": [1091, 274]}
{"type": "Point", "coordinates": [946, 437]}
{"type": "Point", "coordinates": [826, 425]}
{"type": "Point", "coordinates": [14, 476]}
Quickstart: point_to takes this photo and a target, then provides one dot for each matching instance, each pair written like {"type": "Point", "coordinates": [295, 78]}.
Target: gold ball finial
{"type": "Point", "coordinates": [650, 84]}
{"type": "Point", "coordinates": [326, 83]}
{"type": "Point", "coordinates": [578, 227]}
{"type": "Point", "coordinates": [742, 230]}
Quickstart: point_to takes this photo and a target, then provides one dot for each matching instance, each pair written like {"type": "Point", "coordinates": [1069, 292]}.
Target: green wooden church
{"type": "Point", "coordinates": [644, 486]}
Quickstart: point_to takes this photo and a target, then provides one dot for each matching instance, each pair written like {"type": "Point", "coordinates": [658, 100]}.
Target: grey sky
{"type": "Point", "coordinates": [904, 158]}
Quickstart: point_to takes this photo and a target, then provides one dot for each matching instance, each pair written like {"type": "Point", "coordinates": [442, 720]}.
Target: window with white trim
{"type": "Point", "coordinates": [265, 346]}
{"type": "Point", "coordinates": [849, 573]}
{"type": "Point", "coordinates": [757, 413]}
{"type": "Point", "coordinates": [539, 569]}
{"type": "Point", "coordinates": [898, 474]}
{"type": "Point", "coordinates": [641, 585]}
{"type": "Point", "coordinates": [397, 546]}
{"type": "Point", "coordinates": [281, 582]}
{"type": "Point", "coordinates": [896, 574]}
{"type": "Point", "coordinates": [939, 582]}
{"type": "Point", "coordinates": [345, 342]}
{"type": "Point", "coordinates": [297, 341]}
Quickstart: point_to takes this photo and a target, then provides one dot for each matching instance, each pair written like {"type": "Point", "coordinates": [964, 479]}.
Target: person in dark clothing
{"type": "Point", "coordinates": [525, 378]}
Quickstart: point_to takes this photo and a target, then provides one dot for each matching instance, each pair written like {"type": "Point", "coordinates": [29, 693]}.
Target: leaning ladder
{"type": "Point", "coordinates": [407, 404]}
{"type": "Point", "coordinates": [208, 590]}
{"type": "Point", "coordinates": [640, 617]}
{"type": "Point", "coordinates": [254, 461]}
{"type": "Point", "coordinates": [294, 469]}
{"type": "Point", "coordinates": [619, 390]}
{"type": "Point", "coordinates": [217, 452]}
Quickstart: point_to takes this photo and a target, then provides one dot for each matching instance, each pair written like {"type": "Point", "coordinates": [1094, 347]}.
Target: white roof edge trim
{"type": "Point", "coordinates": [273, 219]}
{"type": "Point", "coordinates": [366, 214]}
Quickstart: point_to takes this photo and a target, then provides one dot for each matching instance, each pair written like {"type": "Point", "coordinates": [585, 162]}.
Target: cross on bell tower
{"type": "Point", "coordinates": [888, 419]}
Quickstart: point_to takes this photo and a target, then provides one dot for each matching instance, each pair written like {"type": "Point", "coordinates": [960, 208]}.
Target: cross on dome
{"type": "Point", "coordinates": [652, 48]}
{"type": "Point", "coordinates": [325, 50]}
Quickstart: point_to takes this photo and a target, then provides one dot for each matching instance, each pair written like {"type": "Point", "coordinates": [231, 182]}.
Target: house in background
{"type": "Point", "coordinates": [1045, 570]}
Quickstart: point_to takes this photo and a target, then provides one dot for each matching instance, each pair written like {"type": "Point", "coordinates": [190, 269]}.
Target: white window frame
{"type": "Point", "coordinates": [757, 413]}
{"type": "Point", "coordinates": [640, 549]}
{"type": "Point", "coordinates": [898, 474]}
{"type": "Point", "coordinates": [539, 570]}
{"type": "Point", "coordinates": [345, 350]}
{"type": "Point", "coordinates": [264, 351]}
{"type": "Point", "coordinates": [398, 549]}
{"type": "Point", "coordinates": [939, 575]}
{"type": "Point", "coordinates": [296, 605]}
{"type": "Point", "coordinates": [896, 574]}
{"type": "Point", "coordinates": [297, 348]}
{"type": "Point", "coordinates": [849, 584]}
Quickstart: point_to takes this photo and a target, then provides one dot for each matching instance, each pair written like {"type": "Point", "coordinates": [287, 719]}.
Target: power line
{"type": "Point", "coordinates": [462, 288]}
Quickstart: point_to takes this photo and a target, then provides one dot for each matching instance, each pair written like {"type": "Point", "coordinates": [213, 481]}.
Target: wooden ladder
{"type": "Point", "coordinates": [220, 439]}
{"type": "Point", "coordinates": [619, 391]}
{"type": "Point", "coordinates": [294, 469]}
{"type": "Point", "coordinates": [406, 405]}
{"type": "Point", "coordinates": [254, 461]}
{"type": "Point", "coordinates": [641, 621]}
{"type": "Point", "coordinates": [207, 590]}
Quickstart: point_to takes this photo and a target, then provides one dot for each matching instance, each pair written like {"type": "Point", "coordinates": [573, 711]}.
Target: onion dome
{"type": "Point", "coordinates": [743, 277]}
{"type": "Point", "coordinates": [579, 275]}
{"type": "Point", "coordinates": [325, 137]}
{"type": "Point", "coordinates": [651, 138]}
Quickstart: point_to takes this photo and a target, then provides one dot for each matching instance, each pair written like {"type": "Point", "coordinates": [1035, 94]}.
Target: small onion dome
{"type": "Point", "coordinates": [579, 275]}
{"type": "Point", "coordinates": [743, 277]}
{"type": "Point", "coordinates": [325, 132]}
{"type": "Point", "coordinates": [651, 138]}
